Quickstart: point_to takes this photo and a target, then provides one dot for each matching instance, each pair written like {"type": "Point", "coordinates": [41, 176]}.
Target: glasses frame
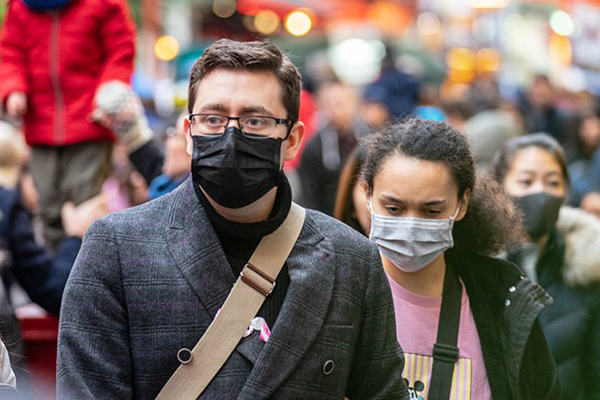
{"type": "Point", "coordinates": [278, 121]}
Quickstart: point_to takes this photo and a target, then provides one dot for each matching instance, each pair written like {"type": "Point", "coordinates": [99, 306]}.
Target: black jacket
{"type": "Point", "coordinates": [569, 270]}
{"type": "Point", "coordinates": [321, 164]}
{"type": "Point", "coordinates": [43, 275]}
{"type": "Point", "coordinates": [505, 308]}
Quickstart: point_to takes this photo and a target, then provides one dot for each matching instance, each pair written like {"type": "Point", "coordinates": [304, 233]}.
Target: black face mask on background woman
{"type": "Point", "coordinates": [541, 212]}
{"type": "Point", "coordinates": [233, 169]}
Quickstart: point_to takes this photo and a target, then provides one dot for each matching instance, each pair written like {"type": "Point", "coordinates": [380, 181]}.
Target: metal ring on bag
{"type": "Point", "coordinates": [328, 367]}
{"type": "Point", "coordinates": [184, 356]}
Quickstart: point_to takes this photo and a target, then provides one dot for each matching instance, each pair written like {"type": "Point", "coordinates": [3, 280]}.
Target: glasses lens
{"type": "Point", "coordinates": [210, 124]}
{"type": "Point", "coordinates": [264, 126]}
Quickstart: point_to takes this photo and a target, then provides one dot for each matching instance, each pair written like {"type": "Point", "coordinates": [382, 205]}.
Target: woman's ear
{"type": "Point", "coordinates": [464, 205]}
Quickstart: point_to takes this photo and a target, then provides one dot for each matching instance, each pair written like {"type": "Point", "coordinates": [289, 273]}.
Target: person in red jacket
{"type": "Point", "coordinates": [54, 56]}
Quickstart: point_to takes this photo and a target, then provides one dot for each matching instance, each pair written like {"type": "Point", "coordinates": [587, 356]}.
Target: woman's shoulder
{"type": "Point", "coordinates": [485, 268]}
{"type": "Point", "coordinates": [581, 232]}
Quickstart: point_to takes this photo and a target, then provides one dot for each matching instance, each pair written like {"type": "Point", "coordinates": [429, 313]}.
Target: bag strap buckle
{"type": "Point", "coordinates": [445, 353]}
{"type": "Point", "coordinates": [251, 276]}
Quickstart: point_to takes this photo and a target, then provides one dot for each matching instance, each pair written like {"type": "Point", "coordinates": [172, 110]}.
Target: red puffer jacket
{"type": "Point", "coordinates": [59, 59]}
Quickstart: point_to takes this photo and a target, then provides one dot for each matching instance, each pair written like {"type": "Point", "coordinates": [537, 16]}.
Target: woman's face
{"type": "Point", "coordinates": [409, 187]}
{"type": "Point", "coordinates": [589, 132]}
{"type": "Point", "coordinates": [534, 170]}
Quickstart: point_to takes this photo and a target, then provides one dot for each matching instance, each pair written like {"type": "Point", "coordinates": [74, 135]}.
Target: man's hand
{"type": "Point", "coordinates": [16, 104]}
{"type": "Point", "coordinates": [591, 203]}
{"type": "Point", "coordinates": [77, 219]}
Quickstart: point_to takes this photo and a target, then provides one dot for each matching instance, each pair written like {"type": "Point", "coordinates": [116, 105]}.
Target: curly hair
{"type": "Point", "coordinates": [249, 56]}
{"type": "Point", "coordinates": [491, 223]}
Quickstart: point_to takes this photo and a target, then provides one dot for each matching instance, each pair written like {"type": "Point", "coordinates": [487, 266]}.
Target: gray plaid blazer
{"type": "Point", "coordinates": [149, 280]}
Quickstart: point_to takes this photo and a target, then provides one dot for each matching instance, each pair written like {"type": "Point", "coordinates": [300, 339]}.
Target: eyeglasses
{"type": "Point", "coordinates": [256, 126]}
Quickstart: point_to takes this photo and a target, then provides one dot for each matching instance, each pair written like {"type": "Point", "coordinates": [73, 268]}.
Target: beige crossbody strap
{"type": "Point", "coordinates": [245, 299]}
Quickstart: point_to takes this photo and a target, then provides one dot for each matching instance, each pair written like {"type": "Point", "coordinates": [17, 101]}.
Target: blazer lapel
{"type": "Point", "coordinates": [197, 251]}
{"type": "Point", "coordinates": [302, 314]}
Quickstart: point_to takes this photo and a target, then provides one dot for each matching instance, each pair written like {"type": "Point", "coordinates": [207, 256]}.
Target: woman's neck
{"type": "Point", "coordinates": [428, 281]}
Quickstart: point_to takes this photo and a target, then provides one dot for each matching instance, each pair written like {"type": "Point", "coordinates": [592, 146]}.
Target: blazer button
{"type": "Point", "coordinates": [328, 367]}
{"type": "Point", "coordinates": [184, 356]}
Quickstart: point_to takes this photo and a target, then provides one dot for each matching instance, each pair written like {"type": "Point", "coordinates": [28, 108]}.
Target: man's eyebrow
{"type": "Point", "coordinates": [214, 107]}
{"type": "Point", "coordinates": [256, 110]}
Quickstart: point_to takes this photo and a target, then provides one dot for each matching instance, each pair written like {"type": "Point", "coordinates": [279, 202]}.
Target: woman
{"type": "Point", "coordinates": [584, 166]}
{"type": "Point", "coordinates": [435, 229]}
{"type": "Point", "coordinates": [561, 253]}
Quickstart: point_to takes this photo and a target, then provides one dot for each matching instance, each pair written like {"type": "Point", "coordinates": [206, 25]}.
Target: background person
{"type": "Point", "coordinates": [23, 260]}
{"type": "Point", "coordinates": [430, 218]}
{"type": "Point", "coordinates": [561, 253]}
{"type": "Point", "coordinates": [584, 164]}
{"type": "Point", "coordinates": [54, 57]}
{"type": "Point", "coordinates": [350, 204]}
{"type": "Point", "coordinates": [327, 150]}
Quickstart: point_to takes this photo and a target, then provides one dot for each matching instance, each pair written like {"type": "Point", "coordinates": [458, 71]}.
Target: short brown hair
{"type": "Point", "coordinates": [250, 56]}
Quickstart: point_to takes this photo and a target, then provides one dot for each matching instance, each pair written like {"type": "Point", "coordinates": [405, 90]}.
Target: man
{"type": "Point", "coordinates": [538, 106]}
{"type": "Point", "coordinates": [327, 150]}
{"type": "Point", "coordinates": [149, 280]}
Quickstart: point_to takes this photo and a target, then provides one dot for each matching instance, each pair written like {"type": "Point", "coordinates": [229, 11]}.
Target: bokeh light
{"type": "Point", "coordinates": [428, 23]}
{"type": "Point", "coordinates": [562, 23]}
{"type": "Point", "coordinates": [357, 70]}
{"type": "Point", "coordinates": [488, 3]}
{"type": "Point", "coordinates": [266, 22]}
{"type": "Point", "coordinates": [224, 8]}
{"type": "Point", "coordinates": [166, 48]}
{"type": "Point", "coordinates": [488, 60]}
{"type": "Point", "coordinates": [298, 23]}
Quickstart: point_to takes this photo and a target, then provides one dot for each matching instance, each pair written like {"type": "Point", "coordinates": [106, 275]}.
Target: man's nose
{"type": "Point", "coordinates": [234, 122]}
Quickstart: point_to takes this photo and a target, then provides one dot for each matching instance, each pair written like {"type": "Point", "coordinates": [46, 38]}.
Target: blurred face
{"type": "Point", "coordinates": [535, 170]}
{"type": "Point", "coordinates": [375, 114]}
{"type": "Point", "coordinates": [177, 160]}
{"type": "Point", "coordinates": [541, 94]}
{"type": "Point", "coordinates": [589, 132]}
{"type": "Point", "coordinates": [409, 187]}
{"type": "Point", "coordinates": [339, 102]}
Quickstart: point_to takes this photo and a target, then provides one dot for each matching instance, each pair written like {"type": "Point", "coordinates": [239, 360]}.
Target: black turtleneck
{"type": "Point", "coordinates": [239, 241]}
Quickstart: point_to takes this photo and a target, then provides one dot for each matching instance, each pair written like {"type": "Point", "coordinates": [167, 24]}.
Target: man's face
{"type": "Point", "coordinates": [238, 93]}
{"type": "Point", "coordinates": [541, 94]}
{"type": "Point", "coordinates": [340, 103]}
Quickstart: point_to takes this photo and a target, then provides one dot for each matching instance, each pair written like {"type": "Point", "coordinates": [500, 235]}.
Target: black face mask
{"type": "Point", "coordinates": [235, 170]}
{"type": "Point", "coordinates": [541, 213]}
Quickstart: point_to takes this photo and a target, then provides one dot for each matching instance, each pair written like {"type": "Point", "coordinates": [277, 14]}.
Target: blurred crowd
{"type": "Point", "coordinates": [74, 149]}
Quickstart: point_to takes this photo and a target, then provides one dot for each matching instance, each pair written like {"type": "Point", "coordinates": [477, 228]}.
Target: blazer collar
{"type": "Point", "coordinates": [196, 249]}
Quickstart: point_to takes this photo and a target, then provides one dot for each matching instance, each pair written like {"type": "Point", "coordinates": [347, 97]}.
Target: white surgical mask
{"type": "Point", "coordinates": [411, 243]}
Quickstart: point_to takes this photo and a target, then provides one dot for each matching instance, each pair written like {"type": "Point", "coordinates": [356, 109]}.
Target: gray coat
{"type": "Point", "coordinates": [149, 280]}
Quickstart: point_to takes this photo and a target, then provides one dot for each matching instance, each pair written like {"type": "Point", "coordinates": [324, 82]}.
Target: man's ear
{"type": "Point", "coordinates": [464, 205]}
{"type": "Point", "coordinates": [188, 137]}
{"type": "Point", "coordinates": [294, 141]}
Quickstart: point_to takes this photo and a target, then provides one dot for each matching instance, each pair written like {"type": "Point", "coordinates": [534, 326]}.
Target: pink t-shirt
{"type": "Point", "coordinates": [417, 320]}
